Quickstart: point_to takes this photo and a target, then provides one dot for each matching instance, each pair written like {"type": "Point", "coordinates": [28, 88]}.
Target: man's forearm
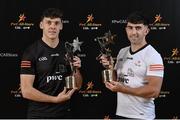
{"type": "Point", "coordinates": [35, 95]}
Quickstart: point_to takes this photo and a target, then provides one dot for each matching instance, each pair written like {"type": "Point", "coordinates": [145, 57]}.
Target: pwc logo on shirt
{"type": "Point", "coordinates": [54, 78]}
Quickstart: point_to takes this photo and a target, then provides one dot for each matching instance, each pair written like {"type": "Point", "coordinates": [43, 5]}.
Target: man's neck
{"type": "Point", "coordinates": [136, 47]}
{"type": "Point", "coordinates": [51, 42]}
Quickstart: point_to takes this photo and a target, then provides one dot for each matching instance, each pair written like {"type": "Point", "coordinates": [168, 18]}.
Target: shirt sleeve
{"type": "Point", "coordinates": [117, 60]}
{"type": "Point", "coordinates": [27, 62]}
{"type": "Point", "coordinates": [155, 65]}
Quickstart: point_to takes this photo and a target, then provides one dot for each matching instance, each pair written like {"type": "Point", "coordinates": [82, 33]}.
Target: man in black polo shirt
{"type": "Point", "coordinates": [43, 71]}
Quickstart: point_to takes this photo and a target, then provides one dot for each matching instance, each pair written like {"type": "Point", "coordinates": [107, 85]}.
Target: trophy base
{"type": "Point", "coordinates": [108, 75]}
{"type": "Point", "coordinates": [70, 82]}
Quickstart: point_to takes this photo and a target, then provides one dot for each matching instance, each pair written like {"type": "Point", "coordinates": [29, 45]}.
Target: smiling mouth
{"type": "Point", "coordinates": [133, 38]}
{"type": "Point", "coordinates": [52, 32]}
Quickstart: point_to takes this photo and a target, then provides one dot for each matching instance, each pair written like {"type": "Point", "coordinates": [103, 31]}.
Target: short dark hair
{"type": "Point", "coordinates": [52, 13]}
{"type": "Point", "coordinates": [138, 17]}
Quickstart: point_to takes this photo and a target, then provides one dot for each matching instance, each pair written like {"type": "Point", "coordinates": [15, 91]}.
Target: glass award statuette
{"type": "Point", "coordinates": [71, 48]}
{"type": "Point", "coordinates": [108, 74]}
{"type": "Point", "coordinates": [70, 80]}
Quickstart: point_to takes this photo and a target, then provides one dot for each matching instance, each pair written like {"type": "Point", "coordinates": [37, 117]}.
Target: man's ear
{"type": "Point", "coordinates": [147, 30]}
{"type": "Point", "coordinates": [61, 27]}
{"type": "Point", "coordinates": [40, 25]}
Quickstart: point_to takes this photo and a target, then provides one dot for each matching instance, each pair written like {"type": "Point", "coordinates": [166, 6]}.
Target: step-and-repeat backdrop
{"type": "Point", "coordinates": [85, 20]}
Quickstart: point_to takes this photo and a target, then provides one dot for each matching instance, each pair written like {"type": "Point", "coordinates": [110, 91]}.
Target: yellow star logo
{"type": "Point", "coordinates": [89, 85]}
{"type": "Point", "coordinates": [174, 52]}
{"type": "Point", "coordinates": [90, 18]}
{"type": "Point", "coordinates": [22, 17]}
{"type": "Point", "coordinates": [157, 18]}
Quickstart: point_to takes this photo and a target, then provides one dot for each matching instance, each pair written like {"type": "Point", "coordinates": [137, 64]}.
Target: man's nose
{"type": "Point", "coordinates": [134, 31]}
{"type": "Point", "coordinates": [53, 25]}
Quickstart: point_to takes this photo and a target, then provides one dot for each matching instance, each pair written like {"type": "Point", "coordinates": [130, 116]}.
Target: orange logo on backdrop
{"type": "Point", "coordinates": [22, 17]}
{"type": "Point", "coordinates": [157, 18]}
{"type": "Point", "coordinates": [89, 85]}
{"type": "Point", "coordinates": [90, 18]}
{"type": "Point", "coordinates": [174, 52]}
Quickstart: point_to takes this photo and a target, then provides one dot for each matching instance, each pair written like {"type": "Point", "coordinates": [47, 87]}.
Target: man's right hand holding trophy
{"type": "Point", "coordinates": [109, 75]}
{"type": "Point", "coordinates": [105, 57]}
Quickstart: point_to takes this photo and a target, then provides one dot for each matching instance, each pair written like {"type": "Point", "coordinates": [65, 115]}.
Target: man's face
{"type": "Point", "coordinates": [136, 33]}
{"type": "Point", "coordinates": [51, 27]}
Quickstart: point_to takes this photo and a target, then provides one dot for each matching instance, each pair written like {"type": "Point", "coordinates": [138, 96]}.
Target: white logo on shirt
{"type": "Point", "coordinates": [57, 77]}
{"type": "Point", "coordinates": [42, 58]}
{"type": "Point", "coordinates": [56, 54]}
